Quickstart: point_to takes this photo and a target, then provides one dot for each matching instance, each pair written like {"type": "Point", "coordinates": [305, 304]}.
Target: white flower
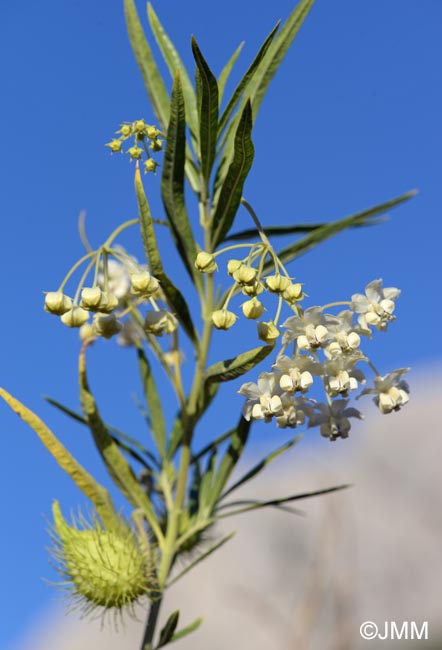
{"type": "Point", "coordinates": [342, 376]}
{"type": "Point", "coordinates": [391, 391]}
{"type": "Point", "coordinates": [333, 420]}
{"type": "Point", "coordinates": [310, 329]}
{"type": "Point", "coordinates": [296, 372]}
{"type": "Point", "coordinates": [293, 412]}
{"type": "Point", "coordinates": [345, 337]}
{"type": "Point", "coordinates": [119, 280]}
{"type": "Point", "coordinates": [263, 400]}
{"type": "Point", "coordinates": [376, 307]}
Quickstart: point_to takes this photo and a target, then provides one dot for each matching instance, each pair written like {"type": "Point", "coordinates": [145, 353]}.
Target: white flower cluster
{"type": "Point", "coordinates": [327, 347]}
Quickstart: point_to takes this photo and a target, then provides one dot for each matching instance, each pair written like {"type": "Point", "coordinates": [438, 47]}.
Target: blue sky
{"type": "Point", "coordinates": [352, 119]}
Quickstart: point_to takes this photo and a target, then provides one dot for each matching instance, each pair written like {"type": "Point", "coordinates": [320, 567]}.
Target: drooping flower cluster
{"type": "Point", "coordinates": [146, 141]}
{"type": "Point", "coordinates": [326, 351]}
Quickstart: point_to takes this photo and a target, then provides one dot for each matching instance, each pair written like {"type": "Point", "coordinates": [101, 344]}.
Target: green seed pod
{"type": "Point", "coordinates": [106, 325]}
{"type": "Point", "coordinates": [277, 283]}
{"type": "Point", "coordinates": [160, 322]}
{"type": "Point", "coordinates": [144, 284]}
{"type": "Point", "coordinates": [253, 308]}
{"type": "Point", "coordinates": [104, 569]}
{"type": "Point", "coordinates": [90, 298]}
{"type": "Point", "coordinates": [205, 262]}
{"type": "Point", "coordinates": [223, 319]}
{"type": "Point", "coordinates": [268, 332]}
{"type": "Point", "coordinates": [75, 317]}
{"type": "Point", "coordinates": [57, 303]}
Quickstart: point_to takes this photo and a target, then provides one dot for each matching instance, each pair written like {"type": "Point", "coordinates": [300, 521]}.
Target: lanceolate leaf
{"type": "Point", "coordinates": [274, 231]}
{"type": "Point", "coordinates": [225, 73]}
{"type": "Point", "coordinates": [261, 465]}
{"type": "Point", "coordinates": [99, 496]}
{"type": "Point", "coordinates": [231, 190]}
{"type": "Point", "coordinates": [153, 81]}
{"type": "Point", "coordinates": [330, 229]}
{"type": "Point", "coordinates": [157, 423]}
{"type": "Point", "coordinates": [116, 464]}
{"type": "Point", "coordinates": [278, 502]}
{"type": "Point", "coordinates": [174, 298]}
{"type": "Point", "coordinates": [230, 458]}
{"type": "Point", "coordinates": [237, 366]}
{"type": "Point", "coordinates": [205, 494]}
{"type": "Point", "coordinates": [243, 84]}
{"type": "Point", "coordinates": [175, 64]}
{"type": "Point", "coordinates": [166, 633]}
{"type": "Point", "coordinates": [208, 112]}
{"type": "Point", "coordinates": [187, 630]}
{"type": "Point", "coordinates": [172, 181]}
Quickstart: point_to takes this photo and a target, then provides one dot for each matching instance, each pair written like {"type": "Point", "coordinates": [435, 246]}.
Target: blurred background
{"type": "Point", "coordinates": [352, 119]}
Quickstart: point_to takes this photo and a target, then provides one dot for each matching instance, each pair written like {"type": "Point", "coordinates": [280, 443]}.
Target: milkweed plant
{"type": "Point", "coordinates": [311, 358]}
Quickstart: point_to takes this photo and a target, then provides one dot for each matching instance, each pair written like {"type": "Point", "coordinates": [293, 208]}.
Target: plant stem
{"type": "Point", "coordinates": [151, 624]}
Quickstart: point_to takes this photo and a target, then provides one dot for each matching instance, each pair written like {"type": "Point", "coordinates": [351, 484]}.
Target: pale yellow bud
{"type": "Point", "coordinates": [75, 317]}
{"type": "Point", "coordinates": [108, 302]}
{"type": "Point", "coordinates": [268, 332]}
{"type": "Point", "coordinates": [87, 332]}
{"type": "Point", "coordinates": [152, 132]}
{"type": "Point", "coordinates": [106, 325]}
{"type": "Point", "coordinates": [293, 293]}
{"type": "Point", "coordinates": [253, 308]}
{"type": "Point", "coordinates": [277, 283]}
{"type": "Point", "coordinates": [57, 303]}
{"type": "Point", "coordinates": [205, 262]}
{"type": "Point", "coordinates": [233, 265]}
{"type": "Point", "coordinates": [245, 274]}
{"type": "Point", "coordinates": [223, 319]}
{"type": "Point", "coordinates": [90, 298]}
{"type": "Point", "coordinates": [253, 289]}
{"type": "Point", "coordinates": [144, 284]}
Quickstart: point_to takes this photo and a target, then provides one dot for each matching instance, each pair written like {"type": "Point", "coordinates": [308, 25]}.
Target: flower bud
{"type": "Point", "coordinates": [254, 289]}
{"type": "Point", "coordinates": [57, 303]}
{"type": "Point", "coordinates": [152, 132]}
{"type": "Point", "coordinates": [293, 293]}
{"type": "Point", "coordinates": [277, 283]}
{"type": "Point", "coordinates": [75, 317]}
{"type": "Point", "coordinates": [90, 298]}
{"type": "Point", "coordinates": [135, 152]}
{"type": "Point", "coordinates": [160, 322]}
{"type": "Point", "coordinates": [233, 265]}
{"type": "Point", "coordinates": [108, 302]}
{"type": "Point", "coordinates": [268, 332]}
{"type": "Point", "coordinates": [223, 319]}
{"type": "Point", "coordinates": [114, 145]}
{"type": "Point", "coordinates": [253, 308]}
{"type": "Point", "coordinates": [87, 332]}
{"type": "Point", "coordinates": [245, 274]}
{"type": "Point", "coordinates": [102, 568]}
{"type": "Point", "coordinates": [106, 325]}
{"type": "Point", "coordinates": [150, 165]}
{"type": "Point", "coordinates": [205, 262]}
{"type": "Point", "coordinates": [144, 284]}
{"type": "Point", "coordinates": [126, 130]}
{"type": "Point", "coordinates": [156, 145]}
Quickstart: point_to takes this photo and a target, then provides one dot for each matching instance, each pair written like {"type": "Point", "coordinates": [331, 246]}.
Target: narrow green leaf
{"type": "Point", "coordinates": [330, 229]}
{"type": "Point", "coordinates": [98, 494]}
{"type": "Point", "coordinates": [201, 557]}
{"type": "Point", "coordinates": [157, 422]}
{"type": "Point", "coordinates": [187, 630]}
{"type": "Point", "coordinates": [124, 441]}
{"type": "Point", "coordinates": [173, 296]}
{"type": "Point", "coordinates": [194, 489]}
{"type": "Point", "coordinates": [232, 368]}
{"type": "Point", "coordinates": [116, 464]}
{"type": "Point", "coordinates": [261, 465]}
{"type": "Point", "coordinates": [166, 633]}
{"type": "Point", "coordinates": [205, 493]}
{"type": "Point", "coordinates": [215, 443]}
{"type": "Point", "coordinates": [208, 112]}
{"type": "Point", "coordinates": [172, 182]}
{"type": "Point", "coordinates": [174, 63]}
{"type": "Point", "coordinates": [276, 502]}
{"type": "Point", "coordinates": [256, 502]}
{"type": "Point", "coordinates": [231, 457]}
{"type": "Point", "coordinates": [241, 88]}
{"type": "Point", "coordinates": [156, 90]}
{"type": "Point", "coordinates": [225, 72]}
{"type": "Point", "coordinates": [274, 231]}
{"type": "Point", "coordinates": [232, 187]}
